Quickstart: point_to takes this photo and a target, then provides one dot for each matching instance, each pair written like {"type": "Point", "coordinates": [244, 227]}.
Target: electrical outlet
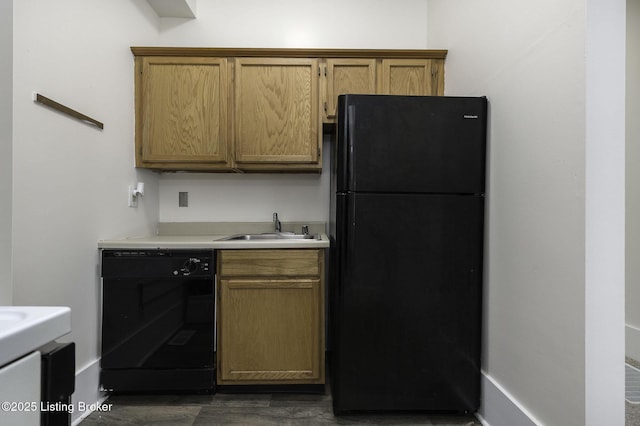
{"type": "Point", "coordinates": [183, 199]}
{"type": "Point", "coordinates": [133, 200]}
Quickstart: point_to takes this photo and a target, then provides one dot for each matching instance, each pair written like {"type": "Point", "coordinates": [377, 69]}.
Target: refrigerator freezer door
{"type": "Point", "coordinates": [407, 302]}
{"type": "Point", "coordinates": [411, 144]}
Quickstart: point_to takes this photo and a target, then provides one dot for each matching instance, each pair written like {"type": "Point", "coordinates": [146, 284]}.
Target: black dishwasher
{"type": "Point", "coordinates": [158, 315]}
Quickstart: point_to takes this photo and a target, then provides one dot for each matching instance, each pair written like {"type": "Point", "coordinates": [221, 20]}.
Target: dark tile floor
{"type": "Point", "coordinates": [632, 411]}
{"type": "Point", "coordinates": [265, 409]}
{"type": "Point", "coordinates": [249, 409]}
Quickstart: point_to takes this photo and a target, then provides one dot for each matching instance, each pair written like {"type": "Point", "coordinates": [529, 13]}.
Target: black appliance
{"type": "Point", "coordinates": [406, 228]}
{"type": "Point", "coordinates": [157, 320]}
{"type": "Point", "coordinates": [58, 382]}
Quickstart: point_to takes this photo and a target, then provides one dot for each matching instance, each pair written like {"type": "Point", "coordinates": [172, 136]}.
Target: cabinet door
{"type": "Point", "coordinates": [276, 113]}
{"type": "Point", "coordinates": [420, 77]}
{"type": "Point", "coordinates": [182, 117]}
{"type": "Point", "coordinates": [347, 76]}
{"type": "Point", "coordinates": [270, 331]}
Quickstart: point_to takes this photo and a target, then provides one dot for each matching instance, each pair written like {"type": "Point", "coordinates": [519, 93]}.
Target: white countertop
{"type": "Point", "coordinates": [208, 235]}
{"type": "Point", "coordinates": [207, 242]}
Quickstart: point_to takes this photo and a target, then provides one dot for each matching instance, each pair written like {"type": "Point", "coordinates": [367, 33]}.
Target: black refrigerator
{"type": "Point", "coordinates": [406, 230]}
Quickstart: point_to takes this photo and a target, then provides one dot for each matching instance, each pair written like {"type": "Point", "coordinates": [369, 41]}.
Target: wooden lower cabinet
{"type": "Point", "coordinates": [270, 317]}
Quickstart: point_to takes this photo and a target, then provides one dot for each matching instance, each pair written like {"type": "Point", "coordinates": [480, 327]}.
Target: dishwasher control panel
{"type": "Point", "coordinates": [191, 266]}
{"type": "Point", "coordinates": [157, 263]}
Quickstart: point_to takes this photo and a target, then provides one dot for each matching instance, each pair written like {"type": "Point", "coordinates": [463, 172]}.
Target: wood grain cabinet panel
{"type": "Point", "coordinates": [270, 317]}
{"type": "Point", "coordinates": [270, 263]}
{"type": "Point", "coordinates": [347, 75]}
{"type": "Point", "coordinates": [276, 113]}
{"type": "Point", "coordinates": [269, 331]}
{"type": "Point", "coordinates": [415, 77]}
{"type": "Point", "coordinates": [183, 113]}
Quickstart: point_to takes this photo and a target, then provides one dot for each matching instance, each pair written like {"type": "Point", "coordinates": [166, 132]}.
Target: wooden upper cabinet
{"type": "Point", "coordinates": [437, 77]}
{"type": "Point", "coordinates": [217, 109]}
{"type": "Point", "coordinates": [276, 113]}
{"type": "Point", "coordinates": [397, 76]}
{"type": "Point", "coordinates": [347, 75]}
{"type": "Point", "coordinates": [419, 77]}
{"type": "Point", "coordinates": [182, 116]}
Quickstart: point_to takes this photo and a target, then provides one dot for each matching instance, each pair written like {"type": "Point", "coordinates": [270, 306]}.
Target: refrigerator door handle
{"type": "Point", "coordinates": [351, 133]}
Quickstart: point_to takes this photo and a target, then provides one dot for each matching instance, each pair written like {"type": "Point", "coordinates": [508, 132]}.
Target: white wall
{"type": "Point", "coordinates": [528, 59]}
{"type": "Point", "coordinates": [247, 197]}
{"type": "Point", "coordinates": [300, 23]}
{"type": "Point", "coordinates": [605, 212]}
{"type": "Point", "coordinates": [633, 181]}
{"type": "Point", "coordinates": [543, 349]}
{"type": "Point", "coordinates": [70, 179]}
{"type": "Point", "coordinates": [6, 117]}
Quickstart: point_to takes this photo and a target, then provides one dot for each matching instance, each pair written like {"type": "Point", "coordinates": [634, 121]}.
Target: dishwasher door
{"type": "Point", "coordinates": [157, 320]}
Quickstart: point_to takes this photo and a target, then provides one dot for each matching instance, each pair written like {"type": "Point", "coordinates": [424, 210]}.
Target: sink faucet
{"type": "Point", "coordinates": [276, 223]}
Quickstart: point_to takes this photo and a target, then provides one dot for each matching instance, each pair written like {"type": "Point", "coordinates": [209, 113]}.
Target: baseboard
{"type": "Point", "coordinates": [632, 342]}
{"type": "Point", "coordinates": [87, 394]}
{"type": "Point", "coordinates": [499, 408]}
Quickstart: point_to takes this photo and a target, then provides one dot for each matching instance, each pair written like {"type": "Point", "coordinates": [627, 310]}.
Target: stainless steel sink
{"type": "Point", "coordinates": [271, 236]}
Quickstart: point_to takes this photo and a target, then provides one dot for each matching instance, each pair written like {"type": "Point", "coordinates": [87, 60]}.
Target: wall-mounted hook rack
{"type": "Point", "coordinates": [37, 97]}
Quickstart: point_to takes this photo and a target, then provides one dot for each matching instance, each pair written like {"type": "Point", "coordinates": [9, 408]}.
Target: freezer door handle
{"type": "Point", "coordinates": [351, 133]}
